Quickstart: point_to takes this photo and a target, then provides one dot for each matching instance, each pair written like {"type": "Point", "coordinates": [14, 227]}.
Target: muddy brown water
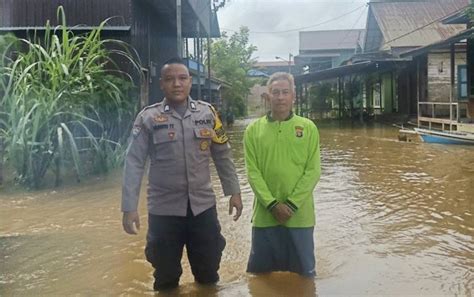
{"type": "Point", "coordinates": [393, 218]}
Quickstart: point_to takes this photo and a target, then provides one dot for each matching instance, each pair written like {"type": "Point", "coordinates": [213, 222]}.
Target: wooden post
{"type": "Point", "coordinates": [452, 94]}
{"type": "Point", "coordinates": [179, 32]}
{"type": "Point", "coordinates": [198, 60]}
{"type": "Point", "coordinates": [1, 161]}
{"type": "Point", "coordinates": [339, 96]}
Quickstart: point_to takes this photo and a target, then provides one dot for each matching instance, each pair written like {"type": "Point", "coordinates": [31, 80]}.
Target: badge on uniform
{"type": "Point", "coordinates": [136, 131]}
{"type": "Point", "coordinates": [299, 131]}
{"type": "Point", "coordinates": [160, 119]}
{"type": "Point", "coordinates": [205, 132]}
{"type": "Point", "coordinates": [204, 145]}
{"type": "Point", "coordinates": [171, 135]}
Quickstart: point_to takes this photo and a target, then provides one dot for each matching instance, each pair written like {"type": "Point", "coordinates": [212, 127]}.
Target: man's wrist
{"type": "Point", "coordinates": [272, 205]}
{"type": "Point", "coordinates": [291, 205]}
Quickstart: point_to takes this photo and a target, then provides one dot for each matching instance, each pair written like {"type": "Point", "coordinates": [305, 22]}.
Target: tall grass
{"type": "Point", "coordinates": [65, 105]}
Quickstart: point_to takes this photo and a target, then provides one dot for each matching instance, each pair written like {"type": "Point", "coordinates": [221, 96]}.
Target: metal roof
{"type": "Point", "coordinates": [331, 39]}
{"type": "Point", "coordinates": [405, 24]}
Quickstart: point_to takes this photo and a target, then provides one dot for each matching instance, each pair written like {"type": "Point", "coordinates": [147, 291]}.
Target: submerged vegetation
{"type": "Point", "coordinates": [65, 105]}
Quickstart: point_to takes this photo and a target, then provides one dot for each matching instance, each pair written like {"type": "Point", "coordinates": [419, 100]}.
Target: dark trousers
{"type": "Point", "coordinates": [166, 238]}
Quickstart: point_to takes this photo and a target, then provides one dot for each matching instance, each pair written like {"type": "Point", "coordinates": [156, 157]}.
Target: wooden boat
{"type": "Point", "coordinates": [445, 137]}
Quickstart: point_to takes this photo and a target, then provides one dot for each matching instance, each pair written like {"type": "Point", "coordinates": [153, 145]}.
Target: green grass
{"type": "Point", "coordinates": [65, 103]}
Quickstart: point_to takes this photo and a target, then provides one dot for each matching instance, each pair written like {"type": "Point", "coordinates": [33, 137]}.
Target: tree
{"type": "Point", "coordinates": [231, 59]}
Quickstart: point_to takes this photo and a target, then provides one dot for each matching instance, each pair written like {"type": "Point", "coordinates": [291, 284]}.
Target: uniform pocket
{"type": "Point", "coordinates": [165, 144]}
{"type": "Point", "coordinates": [203, 138]}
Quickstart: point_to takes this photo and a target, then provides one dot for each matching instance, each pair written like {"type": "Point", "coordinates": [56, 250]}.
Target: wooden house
{"type": "Point", "coordinates": [388, 81]}
{"type": "Point", "coordinates": [157, 29]}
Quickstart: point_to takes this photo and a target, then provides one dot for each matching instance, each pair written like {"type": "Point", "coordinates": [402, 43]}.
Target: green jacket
{"type": "Point", "coordinates": [283, 165]}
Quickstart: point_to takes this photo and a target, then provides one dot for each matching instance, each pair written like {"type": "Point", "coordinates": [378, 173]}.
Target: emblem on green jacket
{"type": "Point", "coordinates": [299, 131]}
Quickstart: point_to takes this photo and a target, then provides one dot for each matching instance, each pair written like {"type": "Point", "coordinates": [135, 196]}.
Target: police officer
{"type": "Point", "coordinates": [179, 136]}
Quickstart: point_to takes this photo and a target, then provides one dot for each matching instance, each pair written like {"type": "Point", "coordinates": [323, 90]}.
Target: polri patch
{"type": "Point", "coordinates": [299, 131]}
{"type": "Point", "coordinates": [204, 145]}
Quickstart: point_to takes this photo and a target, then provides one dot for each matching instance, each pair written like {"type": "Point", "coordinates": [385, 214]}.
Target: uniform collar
{"type": "Point", "coordinates": [270, 119]}
{"type": "Point", "coordinates": [192, 106]}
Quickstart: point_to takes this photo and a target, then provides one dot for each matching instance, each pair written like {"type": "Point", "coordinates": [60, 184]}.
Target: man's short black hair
{"type": "Point", "coordinates": [175, 60]}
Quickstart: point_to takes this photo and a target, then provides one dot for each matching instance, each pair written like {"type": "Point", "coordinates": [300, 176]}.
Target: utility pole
{"type": "Point", "coordinates": [289, 61]}
{"type": "Point", "coordinates": [179, 31]}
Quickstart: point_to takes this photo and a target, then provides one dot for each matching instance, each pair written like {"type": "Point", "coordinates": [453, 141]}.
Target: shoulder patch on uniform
{"type": "Point", "coordinates": [220, 135]}
{"type": "Point", "coordinates": [203, 102]}
{"type": "Point", "coordinates": [152, 105]}
{"type": "Point", "coordinates": [136, 131]}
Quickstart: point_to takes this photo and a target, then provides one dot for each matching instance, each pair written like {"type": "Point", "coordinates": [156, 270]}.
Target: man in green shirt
{"type": "Point", "coordinates": [282, 159]}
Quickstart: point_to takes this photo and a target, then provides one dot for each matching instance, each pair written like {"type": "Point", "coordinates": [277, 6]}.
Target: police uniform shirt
{"type": "Point", "coordinates": [179, 149]}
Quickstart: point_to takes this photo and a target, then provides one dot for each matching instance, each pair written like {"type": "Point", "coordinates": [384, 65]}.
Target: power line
{"type": "Point", "coordinates": [353, 26]}
{"type": "Point", "coordinates": [302, 28]}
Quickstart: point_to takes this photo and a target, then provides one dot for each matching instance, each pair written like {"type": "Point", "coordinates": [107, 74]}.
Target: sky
{"type": "Point", "coordinates": [274, 24]}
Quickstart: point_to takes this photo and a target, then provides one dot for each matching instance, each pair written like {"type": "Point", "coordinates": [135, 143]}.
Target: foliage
{"type": "Point", "coordinates": [470, 11]}
{"type": "Point", "coordinates": [231, 59]}
{"type": "Point", "coordinates": [64, 102]}
{"type": "Point", "coordinates": [321, 95]}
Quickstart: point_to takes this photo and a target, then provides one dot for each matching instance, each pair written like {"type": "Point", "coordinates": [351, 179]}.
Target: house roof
{"type": "Point", "coordinates": [408, 24]}
{"type": "Point", "coordinates": [331, 39]}
{"type": "Point", "coordinates": [256, 73]}
{"type": "Point", "coordinates": [273, 64]}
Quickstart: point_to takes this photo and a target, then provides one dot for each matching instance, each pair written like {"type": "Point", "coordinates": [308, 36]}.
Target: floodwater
{"type": "Point", "coordinates": [393, 218]}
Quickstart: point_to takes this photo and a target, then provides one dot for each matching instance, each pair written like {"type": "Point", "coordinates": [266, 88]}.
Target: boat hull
{"type": "Point", "coordinates": [431, 136]}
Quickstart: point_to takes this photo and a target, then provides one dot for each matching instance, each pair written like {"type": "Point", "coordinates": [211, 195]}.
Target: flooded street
{"type": "Point", "coordinates": [393, 218]}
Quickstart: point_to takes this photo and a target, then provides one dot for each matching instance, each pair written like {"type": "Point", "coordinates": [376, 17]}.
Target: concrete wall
{"type": "Point", "coordinates": [256, 106]}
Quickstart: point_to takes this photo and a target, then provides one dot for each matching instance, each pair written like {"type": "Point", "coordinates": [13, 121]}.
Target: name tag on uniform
{"type": "Point", "coordinates": [202, 122]}
{"type": "Point", "coordinates": [163, 126]}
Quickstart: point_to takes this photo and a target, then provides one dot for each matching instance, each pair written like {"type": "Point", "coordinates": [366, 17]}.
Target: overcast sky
{"type": "Point", "coordinates": [269, 19]}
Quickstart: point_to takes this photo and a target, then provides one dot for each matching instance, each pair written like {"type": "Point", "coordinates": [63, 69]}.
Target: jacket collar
{"type": "Point", "coordinates": [270, 119]}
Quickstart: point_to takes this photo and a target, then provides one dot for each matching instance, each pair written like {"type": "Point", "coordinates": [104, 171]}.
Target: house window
{"type": "Point", "coordinates": [462, 83]}
{"type": "Point", "coordinates": [376, 95]}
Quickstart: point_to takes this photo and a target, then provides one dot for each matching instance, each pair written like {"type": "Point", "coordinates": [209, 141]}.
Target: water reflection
{"type": "Point", "coordinates": [392, 218]}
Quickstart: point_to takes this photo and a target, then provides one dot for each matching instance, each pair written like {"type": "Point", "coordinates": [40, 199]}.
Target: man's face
{"type": "Point", "coordinates": [281, 97]}
{"type": "Point", "coordinates": [175, 82]}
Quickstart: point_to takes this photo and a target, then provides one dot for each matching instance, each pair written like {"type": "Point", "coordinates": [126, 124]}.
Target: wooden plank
{"type": "Point", "coordinates": [436, 120]}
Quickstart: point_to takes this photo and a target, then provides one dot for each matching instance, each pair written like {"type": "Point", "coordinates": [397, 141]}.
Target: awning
{"type": "Point", "coordinates": [72, 28]}
{"type": "Point", "coordinates": [357, 68]}
{"type": "Point", "coordinates": [423, 50]}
